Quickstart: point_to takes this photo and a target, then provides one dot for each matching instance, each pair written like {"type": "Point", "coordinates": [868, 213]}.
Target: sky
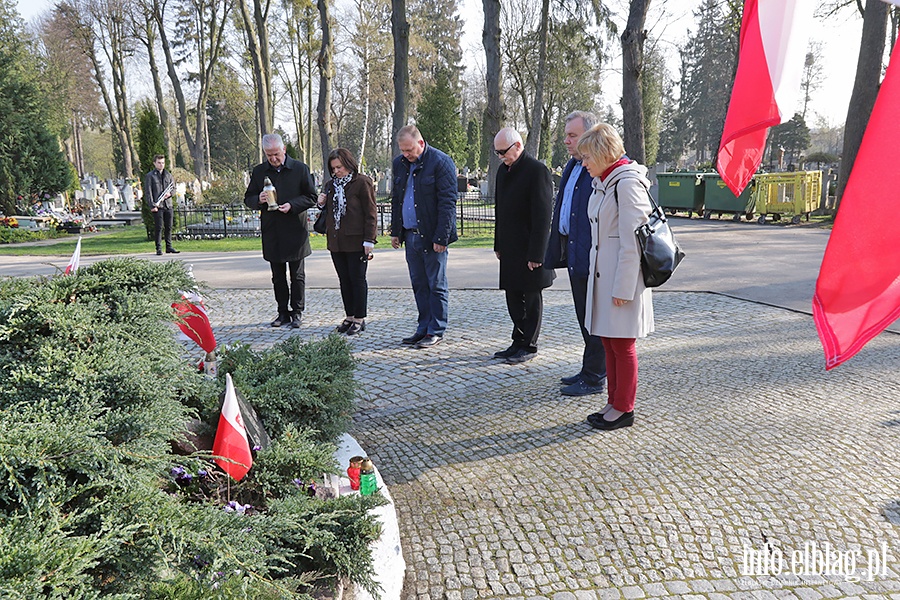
{"type": "Point", "coordinates": [670, 21]}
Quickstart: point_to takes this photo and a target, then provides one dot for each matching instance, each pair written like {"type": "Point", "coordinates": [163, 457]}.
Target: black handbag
{"type": "Point", "coordinates": [660, 252]}
{"type": "Point", "coordinates": [319, 225]}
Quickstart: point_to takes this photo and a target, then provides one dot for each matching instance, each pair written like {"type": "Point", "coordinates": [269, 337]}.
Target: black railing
{"type": "Point", "coordinates": [474, 216]}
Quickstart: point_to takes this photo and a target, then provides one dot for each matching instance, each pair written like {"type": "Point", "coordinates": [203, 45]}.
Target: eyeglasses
{"type": "Point", "coordinates": [503, 152]}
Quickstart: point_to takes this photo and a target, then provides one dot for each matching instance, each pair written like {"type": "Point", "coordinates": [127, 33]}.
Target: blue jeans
{"type": "Point", "coordinates": [428, 275]}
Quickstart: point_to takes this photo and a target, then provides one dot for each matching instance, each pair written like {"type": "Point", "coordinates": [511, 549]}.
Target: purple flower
{"type": "Point", "coordinates": [298, 482]}
{"type": "Point", "coordinates": [202, 473]}
{"type": "Point", "coordinates": [257, 448]}
{"type": "Point", "coordinates": [177, 472]}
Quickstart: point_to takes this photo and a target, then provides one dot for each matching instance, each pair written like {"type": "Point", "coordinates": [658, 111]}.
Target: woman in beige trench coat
{"type": "Point", "coordinates": [619, 307]}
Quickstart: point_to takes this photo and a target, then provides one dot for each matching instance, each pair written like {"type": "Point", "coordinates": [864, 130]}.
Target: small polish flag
{"type": "Point", "coordinates": [231, 437]}
{"type": "Point", "coordinates": [75, 260]}
{"type": "Point", "coordinates": [774, 34]}
{"type": "Point", "coordinates": [193, 320]}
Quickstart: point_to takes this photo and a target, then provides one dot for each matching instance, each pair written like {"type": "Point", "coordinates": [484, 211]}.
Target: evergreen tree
{"type": "Point", "coordinates": [793, 136]}
{"type": "Point", "coordinates": [710, 59]}
{"type": "Point", "coordinates": [438, 119]}
{"type": "Point", "coordinates": [31, 162]}
{"type": "Point", "coordinates": [473, 145]}
{"type": "Point", "coordinates": [150, 139]}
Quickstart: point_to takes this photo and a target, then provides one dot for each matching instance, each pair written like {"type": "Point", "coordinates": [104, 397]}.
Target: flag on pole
{"type": "Point", "coordinates": [75, 261]}
{"type": "Point", "coordinates": [858, 289]}
{"type": "Point", "coordinates": [193, 320]}
{"type": "Point", "coordinates": [231, 437]}
{"type": "Point", "coordinates": [774, 34]}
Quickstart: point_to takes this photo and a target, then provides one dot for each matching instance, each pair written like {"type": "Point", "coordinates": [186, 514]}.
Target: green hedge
{"type": "Point", "coordinates": [95, 394]}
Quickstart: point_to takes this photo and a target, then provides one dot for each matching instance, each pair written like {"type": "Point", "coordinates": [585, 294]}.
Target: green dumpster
{"type": "Point", "coordinates": [681, 192]}
{"type": "Point", "coordinates": [719, 199]}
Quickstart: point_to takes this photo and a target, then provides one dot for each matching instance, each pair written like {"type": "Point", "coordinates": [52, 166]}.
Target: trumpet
{"type": "Point", "coordinates": [162, 195]}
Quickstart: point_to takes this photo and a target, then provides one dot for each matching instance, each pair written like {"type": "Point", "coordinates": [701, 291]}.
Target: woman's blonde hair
{"type": "Point", "coordinates": [602, 142]}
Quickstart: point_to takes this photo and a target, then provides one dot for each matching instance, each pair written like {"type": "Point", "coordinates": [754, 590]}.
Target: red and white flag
{"type": "Point", "coordinates": [193, 320]}
{"type": "Point", "coordinates": [75, 261]}
{"type": "Point", "coordinates": [231, 437]}
{"type": "Point", "coordinates": [774, 35]}
{"type": "Point", "coordinates": [858, 290]}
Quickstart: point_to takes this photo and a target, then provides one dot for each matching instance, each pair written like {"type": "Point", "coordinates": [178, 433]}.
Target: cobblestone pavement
{"type": "Point", "coordinates": [741, 438]}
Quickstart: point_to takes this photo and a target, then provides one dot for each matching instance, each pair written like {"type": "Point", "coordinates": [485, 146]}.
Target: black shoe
{"type": "Point", "coordinates": [414, 338]}
{"type": "Point", "coordinates": [570, 380]}
{"type": "Point", "coordinates": [281, 320]}
{"type": "Point", "coordinates": [508, 352]}
{"type": "Point", "coordinates": [343, 327]}
{"type": "Point", "coordinates": [172, 251]}
{"type": "Point", "coordinates": [582, 388]}
{"type": "Point", "coordinates": [625, 420]}
{"type": "Point", "coordinates": [356, 328]}
{"type": "Point", "coordinates": [295, 320]}
{"type": "Point", "coordinates": [159, 252]}
{"type": "Point", "coordinates": [521, 355]}
{"type": "Point", "coordinates": [429, 340]}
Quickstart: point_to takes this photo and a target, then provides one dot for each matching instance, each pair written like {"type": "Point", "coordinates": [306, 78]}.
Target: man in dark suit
{"type": "Point", "coordinates": [159, 189]}
{"type": "Point", "coordinates": [285, 238]}
{"type": "Point", "coordinates": [570, 247]}
{"type": "Point", "coordinates": [523, 206]}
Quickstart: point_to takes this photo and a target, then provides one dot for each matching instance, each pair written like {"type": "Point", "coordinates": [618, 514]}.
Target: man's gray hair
{"type": "Point", "coordinates": [272, 140]}
{"type": "Point", "coordinates": [588, 118]}
{"type": "Point", "coordinates": [509, 136]}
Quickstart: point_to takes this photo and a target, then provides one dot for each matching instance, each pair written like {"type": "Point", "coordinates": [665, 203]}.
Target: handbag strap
{"type": "Point", "coordinates": [653, 203]}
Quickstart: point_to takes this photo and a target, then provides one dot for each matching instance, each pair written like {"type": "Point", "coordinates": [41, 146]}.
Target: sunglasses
{"type": "Point", "coordinates": [503, 152]}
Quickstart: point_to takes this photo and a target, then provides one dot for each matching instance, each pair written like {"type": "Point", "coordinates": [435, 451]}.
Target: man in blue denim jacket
{"type": "Point", "coordinates": [423, 217]}
{"type": "Point", "coordinates": [570, 247]}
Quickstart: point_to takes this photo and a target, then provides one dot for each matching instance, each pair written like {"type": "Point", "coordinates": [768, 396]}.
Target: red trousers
{"type": "Point", "coordinates": [621, 372]}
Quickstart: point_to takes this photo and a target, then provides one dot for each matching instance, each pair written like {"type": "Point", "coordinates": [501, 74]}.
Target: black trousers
{"type": "Point", "coordinates": [351, 272]}
{"type": "Point", "coordinates": [526, 310]}
{"type": "Point", "coordinates": [295, 297]}
{"type": "Point", "coordinates": [163, 219]}
{"type": "Point", "coordinates": [593, 362]}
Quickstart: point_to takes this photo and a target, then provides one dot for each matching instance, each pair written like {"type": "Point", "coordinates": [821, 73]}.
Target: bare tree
{"type": "Point", "coordinates": [144, 30]}
{"type": "Point", "coordinates": [532, 144]}
{"type": "Point", "coordinates": [256, 31]}
{"type": "Point", "coordinates": [865, 86]}
{"type": "Point", "coordinates": [326, 74]}
{"type": "Point", "coordinates": [632, 68]}
{"type": "Point", "coordinates": [400, 32]}
{"type": "Point", "coordinates": [493, 112]}
{"type": "Point", "coordinates": [812, 71]}
{"type": "Point", "coordinates": [201, 29]}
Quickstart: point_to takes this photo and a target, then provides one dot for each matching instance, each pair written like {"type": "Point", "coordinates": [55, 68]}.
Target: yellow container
{"type": "Point", "coordinates": [794, 194]}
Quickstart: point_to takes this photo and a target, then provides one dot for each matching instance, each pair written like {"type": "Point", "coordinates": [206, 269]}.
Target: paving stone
{"type": "Point", "coordinates": [502, 490]}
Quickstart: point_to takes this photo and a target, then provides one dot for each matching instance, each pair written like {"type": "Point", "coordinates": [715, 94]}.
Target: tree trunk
{"type": "Point", "coordinates": [326, 74]}
{"type": "Point", "coordinates": [400, 32]}
{"type": "Point", "coordinates": [150, 42]}
{"type": "Point", "coordinates": [533, 143]}
{"type": "Point", "coordinates": [257, 37]}
{"type": "Point", "coordinates": [493, 112]}
{"type": "Point", "coordinates": [865, 87]}
{"type": "Point", "coordinates": [632, 66]}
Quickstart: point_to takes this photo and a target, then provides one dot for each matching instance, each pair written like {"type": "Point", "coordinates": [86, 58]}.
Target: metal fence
{"type": "Point", "coordinates": [474, 216]}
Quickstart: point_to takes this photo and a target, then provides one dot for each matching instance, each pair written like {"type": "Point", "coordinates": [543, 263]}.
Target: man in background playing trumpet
{"type": "Point", "coordinates": [159, 185]}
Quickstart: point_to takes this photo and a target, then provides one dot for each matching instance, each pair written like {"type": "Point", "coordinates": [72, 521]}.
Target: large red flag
{"type": "Point", "coordinates": [231, 437]}
{"type": "Point", "coordinates": [193, 320]}
{"type": "Point", "coordinates": [767, 83]}
{"type": "Point", "coordinates": [858, 290]}
{"type": "Point", "coordinates": [75, 261]}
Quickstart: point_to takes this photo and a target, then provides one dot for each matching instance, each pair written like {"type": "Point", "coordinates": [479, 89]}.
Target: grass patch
{"type": "Point", "coordinates": [133, 240]}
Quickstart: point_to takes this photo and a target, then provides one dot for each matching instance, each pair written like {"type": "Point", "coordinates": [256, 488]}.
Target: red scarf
{"type": "Point", "coordinates": [622, 161]}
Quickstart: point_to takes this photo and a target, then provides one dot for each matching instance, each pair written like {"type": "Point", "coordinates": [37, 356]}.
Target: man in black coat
{"type": "Point", "coordinates": [285, 238]}
{"type": "Point", "coordinates": [523, 208]}
{"type": "Point", "coordinates": [159, 190]}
